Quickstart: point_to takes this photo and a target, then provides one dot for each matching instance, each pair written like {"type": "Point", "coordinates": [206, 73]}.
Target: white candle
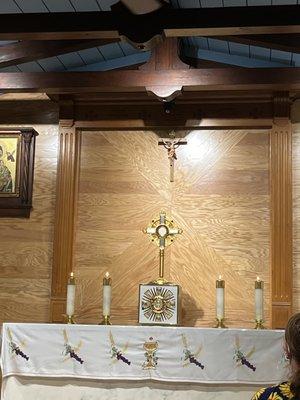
{"type": "Point", "coordinates": [220, 286]}
{"type": "Point", "coordinates": [259, 299]}
{"type": "Point", "coordinates": [106, 294]}
{"type": "Point", "coordinates": [71, 295]}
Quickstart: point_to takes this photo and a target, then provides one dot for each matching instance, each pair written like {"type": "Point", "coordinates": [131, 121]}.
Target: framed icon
{"type": "Point", "coordinates": [16, 171]}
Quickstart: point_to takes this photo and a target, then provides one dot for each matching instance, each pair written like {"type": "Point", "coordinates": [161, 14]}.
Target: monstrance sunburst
{"type": "Point", "coordinates": [162, 232]}
{"type": "Point", "coordinates": [159, 299]}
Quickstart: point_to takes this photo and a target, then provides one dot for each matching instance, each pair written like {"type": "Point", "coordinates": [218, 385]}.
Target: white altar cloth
{"type": "Point", "coordinates": [88, 354]}
{"type": "Point", "coordinates": [27, 388]}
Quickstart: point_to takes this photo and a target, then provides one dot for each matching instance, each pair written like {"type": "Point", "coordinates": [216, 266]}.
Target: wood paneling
{"type": "Point", "coordinates": [26, 245]}
{"type": "Point", "coordinates": [220, 198]}
{"type": "Point", "coordinates": [281, 218]}
{"type": "Point", "coordinates": [66, 195]}
{"type": "Point", "coordinates": [296, 217]}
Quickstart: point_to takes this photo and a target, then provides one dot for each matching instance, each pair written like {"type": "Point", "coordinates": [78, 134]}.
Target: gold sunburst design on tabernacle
{"type": "Point", "coordinates": [158, 304]}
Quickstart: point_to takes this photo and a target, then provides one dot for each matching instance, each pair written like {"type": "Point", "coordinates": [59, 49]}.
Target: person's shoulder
{"type": "Point", "coordinates": [278, 392]}
{"type": "Point", "coordinates": [285, 389]}
{"type": "Point", "coordinates": [258, 395]}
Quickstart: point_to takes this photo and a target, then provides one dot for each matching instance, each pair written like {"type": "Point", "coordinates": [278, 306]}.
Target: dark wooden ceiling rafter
{"type": "Point", "coordinates": [283, 42]}
{"type": "Point", "coordinates": [165, 57]}
{"type": "Point", "coordinates": [200, 63]}
{"type": "Point", "coordinates": [214, 79]}
{"type": "Point", "coordinates": [143, 28]}
{"type": "Point", "coordinates": [195, 62]}
{"type": "Point", "coordinates": [26, 51]}
{"type": "Point", "coordinates": [166, 74]}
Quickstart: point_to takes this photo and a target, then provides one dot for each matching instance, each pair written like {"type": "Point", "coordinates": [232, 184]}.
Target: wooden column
{"type": "Point", "coordinates": [281, 212]}
{"type": "Point", "coordinates": [67, 181]}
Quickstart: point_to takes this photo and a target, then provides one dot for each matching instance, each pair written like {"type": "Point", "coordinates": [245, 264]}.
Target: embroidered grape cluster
{"type": "Point", "coordinates": [192, 359]}
{"type": "Point", "coordinates": [71, 352]}
{"type": "Point", "coordinates": [124, 359]}
{"type": "Point", "coordinates": [16, 349]}
{"type": "Point", "coordinates": [239, 357]}
{"type": "Point", "coordinates": [115, 353]}
{"type": "Point", "coordinates": [75, 356]}
{"type": "Point", "coordinates": [244, 361]}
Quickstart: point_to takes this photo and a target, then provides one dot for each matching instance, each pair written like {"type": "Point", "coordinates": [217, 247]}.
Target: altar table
{"type": "Point", "coordinates": [53, 361]}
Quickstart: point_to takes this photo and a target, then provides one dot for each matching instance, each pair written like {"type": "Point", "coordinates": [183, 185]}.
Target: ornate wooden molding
{"type": "Point", "coordinates": [281, 213]}
{"type": "Point", "coordinates": [67, 180]}
{"type": "Point", "coordinates": [190, 110]}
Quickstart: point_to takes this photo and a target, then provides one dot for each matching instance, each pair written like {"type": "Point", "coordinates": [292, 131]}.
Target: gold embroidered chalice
{"type": "Point", "coordinates": [151, 359]}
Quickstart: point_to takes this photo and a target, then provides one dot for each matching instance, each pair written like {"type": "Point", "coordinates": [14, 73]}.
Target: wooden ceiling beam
{"type": "Point", "coordinates": [283, 42]}
{"type": "Point", "coordinates": [142, 98]}
{"type": "Point", "coordinates": [201, 63]}
{"type": "Point", "coordinates": [164, 58]}
{"type": "Point", "coordinates": [26, 51]}
{"type": "Point", "coordinates": [28, 112]}
{"type": "Point", "coordinates": [217, 79]}
{"type": "Point", "coordinates": [143, 28]}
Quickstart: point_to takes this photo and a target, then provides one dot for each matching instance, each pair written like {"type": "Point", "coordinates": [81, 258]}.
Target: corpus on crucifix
{"type": "Point", "coordinates": [171, 144]}
{"type": "Point", "coordinates": [159, 299]}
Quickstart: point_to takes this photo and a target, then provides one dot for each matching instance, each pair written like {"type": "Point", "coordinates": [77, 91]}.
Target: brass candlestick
{"type": "Point", "coordinates": [105, 320]}
{"type": "Point", "coordinates": [70, 319]}
{"type": "Point", "coordinates": [220, 323]}
{"type": "Point", "coordinates": [259, 324]}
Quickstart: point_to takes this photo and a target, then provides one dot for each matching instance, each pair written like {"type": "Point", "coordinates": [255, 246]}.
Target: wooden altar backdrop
{"type": "Point", "coordinates": [220, 197]}
{"type": "Point", "coordinates": [231, 196]}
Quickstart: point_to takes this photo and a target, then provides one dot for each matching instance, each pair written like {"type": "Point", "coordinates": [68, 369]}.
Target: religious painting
{"type": "Point", "coordinates": [158, 304]}
{"type": "Point", "coordinates": [16, 171]}
{"type": "Point", "coordinates": [9, 164]}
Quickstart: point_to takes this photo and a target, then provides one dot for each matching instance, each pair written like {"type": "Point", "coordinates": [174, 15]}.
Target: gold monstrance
{"type": "Point", "coordinates": [159, 301]}
{"type": "Point", "coordinates": [162, 232]}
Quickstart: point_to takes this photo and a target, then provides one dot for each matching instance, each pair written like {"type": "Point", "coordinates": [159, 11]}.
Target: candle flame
{"type": "Point", "coordinates": [257, 279]}
{"type": "Point", "coordinates": [220, 277]}
{"type": "Point", "coordinates": [107, 274]}
{"type": "Point", "coordinates": [72, 274]}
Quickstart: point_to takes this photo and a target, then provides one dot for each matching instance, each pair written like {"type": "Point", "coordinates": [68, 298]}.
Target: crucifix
{"type": "Point", "coordinates": [162, 232]}
{"type": "Point", "coordinates": [171, 144]}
